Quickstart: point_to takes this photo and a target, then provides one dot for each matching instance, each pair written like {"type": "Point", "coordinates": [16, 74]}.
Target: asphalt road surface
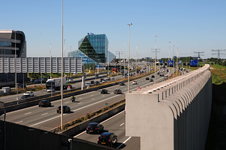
{"type": "Point", "coordinates": [10, 98]}
{"type": "Point", "coordinates": [46, 117]}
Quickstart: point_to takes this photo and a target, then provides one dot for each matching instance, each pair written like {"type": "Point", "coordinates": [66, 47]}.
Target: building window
{"type": "Point", "coordinates": [5, 44]}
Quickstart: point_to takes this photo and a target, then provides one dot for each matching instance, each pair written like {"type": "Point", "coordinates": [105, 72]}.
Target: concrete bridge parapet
{"type": "Point", "coordinates": [172, 115]}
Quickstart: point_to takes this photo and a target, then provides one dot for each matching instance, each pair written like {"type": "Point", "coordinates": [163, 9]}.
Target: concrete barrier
{"type": "Point", "coordinates": [174, 114]}
{"type": "Point", "coordinates": [82, 126]}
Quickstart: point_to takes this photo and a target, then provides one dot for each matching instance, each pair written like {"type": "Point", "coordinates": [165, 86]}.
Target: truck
{"type": "Point", "coordinates": [55, 83]}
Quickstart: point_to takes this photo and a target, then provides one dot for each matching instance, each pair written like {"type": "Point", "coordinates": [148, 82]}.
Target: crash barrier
{"type": "Point", "coordinates": [20, 137]}
{"type": "Point", "coordinates": [20, 104]}
{"type": "Point", "coordinates": [172, 115]}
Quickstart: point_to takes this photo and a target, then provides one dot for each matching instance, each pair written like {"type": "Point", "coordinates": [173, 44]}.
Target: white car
{"type": "Point", "coordinates": [29, 93]}
{"type": "Point", "coordinates": [134, 82]}
{"type": "Point", "coordinates": [50, 90]}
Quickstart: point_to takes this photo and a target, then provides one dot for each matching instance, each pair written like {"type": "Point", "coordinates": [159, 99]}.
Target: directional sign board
{"type": "Point", "coordinates": [161, 61]}
{"type": "Point", "coordinates": [170, 63]}
{"type": "Point", "coordinates": [180, 62]}
{"type": "Point", "coordinates": [194, 63]}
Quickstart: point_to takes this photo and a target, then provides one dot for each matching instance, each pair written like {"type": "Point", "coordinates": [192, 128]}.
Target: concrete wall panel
{"type": "Point", "coordinates": [172, 115]}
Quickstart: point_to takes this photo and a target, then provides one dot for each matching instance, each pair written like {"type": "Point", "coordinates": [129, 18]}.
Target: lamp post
{"type": "Point", "coordinates": [124, 61]}
{"type": "Point", "coordinates": [129, 54]}
{"type": "Point", "coordinates": [50, 60]}
{"type": "Point", "coordinates": [173, 59]}
{"type": "Point", "coordinates": [16, 70]}
{"type": "Point", "coordinates": [136, 60]}
{"type": "Point", "coordinates": [108, 61]}
{"type": "Point", "coordinates": [61, 88]}
{"type": "Point", "coordinates": [155, 55]}
{"type": "Point", "coordinates": [169, 50]}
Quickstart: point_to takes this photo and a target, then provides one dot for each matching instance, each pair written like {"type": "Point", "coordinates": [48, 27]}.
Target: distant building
{"type": "Point", "coordinates": [93, 48]}
{"type": "Point", "coordinates": [11, 42]}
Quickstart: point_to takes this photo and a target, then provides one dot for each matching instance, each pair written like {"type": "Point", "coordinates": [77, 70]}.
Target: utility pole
{"type": "Point", "coordinates": [129, 55]}
{"type": "Point", "coordinates": [218, 53]}
{"type": "Point", "coordinates": [61, 88]}
{"type": "Point", "coordinates": [124, 60]}
{"type": "Point", "coordinates": [169, 50]}
{"type": "Point", "coordinates": [177, 62]}
{"type": "Point", "coordinates": [173, 59]}
{"type": "Point", "coordinates": [156, 51]}
{"type": "Point", "coordinates": [136, 60]}
{"type": "Point", "coordinates": [108, 60]}
{"type": "Point", "coordinates": [50, 60]}
{"type": "Point", "coordinates": [198, 56]}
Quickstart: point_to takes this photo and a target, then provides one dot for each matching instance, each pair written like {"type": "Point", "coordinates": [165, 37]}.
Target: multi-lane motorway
{"type": "Point", "coordinates": [47, 118]}
{"type": "Point", "coordinates": [10, 98]}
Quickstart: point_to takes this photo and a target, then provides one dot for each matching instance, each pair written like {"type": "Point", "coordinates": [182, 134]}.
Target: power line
{"type": "Point", "coordinates": [218, 53]}
{"type": "Point", "coordinates": [199, 54]}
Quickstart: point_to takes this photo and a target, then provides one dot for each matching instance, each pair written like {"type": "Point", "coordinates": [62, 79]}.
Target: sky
{"type": "Point", "coordinates": [191, 25]}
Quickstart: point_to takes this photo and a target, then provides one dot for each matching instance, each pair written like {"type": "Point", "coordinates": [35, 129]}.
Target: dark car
{"type": "Point", "coordinates": [117, 91]}
{"type": "Point", "coordinates": [96, 76]}
{"type": "Point", "coordinates": [44, 103]}
{"type": "Point", "coordinates": [153, 76]}
{"type": "Point", "coordinates": [66, 109]}
{"type": "Point", "coordinates": [94, 127]}
{"type": "Point", "coordinates": [21, 85]}
{"type": "Point", "coordinates": [147, 78]}
{"type": "Point", "coordinates": [108, 78]}
{"type": "Point", "coordinates": [92, 82]}
{"type": "Point", "coordinates": [104, 91]}
{"type": "Point", "coordinates": [151, 80]}
{"type": "Point", "coordinates": [121, 83]}
{"type": "Point", "coordinates": [25, 97]}
{"type": "Point", "coordinates": [107, 138]}
{"type": "Point", "coordinates": [96, 83]}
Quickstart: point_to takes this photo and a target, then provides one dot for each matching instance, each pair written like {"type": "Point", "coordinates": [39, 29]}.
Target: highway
{"type": "Point", "coordinates": [115, 124]}
{"type": "Point", "coordinates": [46, 118]}
{"type": "Point", "coordinates": [10, 98]}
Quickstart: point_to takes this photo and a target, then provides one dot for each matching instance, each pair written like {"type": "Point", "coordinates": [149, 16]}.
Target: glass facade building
{"type": "Point", "coordinates": [93, 48]}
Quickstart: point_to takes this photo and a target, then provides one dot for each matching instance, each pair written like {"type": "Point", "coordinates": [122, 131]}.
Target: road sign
{"type": "Point", "coordinates": [194, 63]}
{"type": "Point", "coordinates": [180, 62]}
{"type": "Point", "coordinates": [138, 88]}
{"type": "Point", "coordinates": [170, 62]}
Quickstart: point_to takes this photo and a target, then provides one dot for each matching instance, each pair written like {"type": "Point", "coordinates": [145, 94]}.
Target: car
{"type": "Point", "coordinates": [121, 83]}
{"type": "Point", "coordinates": [25, 97]}
{"type": "Point", "coordinates": [70, 80]}
{"type": "Point", "coordinates": [134, 82]}
{"type": "Point", "coordinates": [153, 76]}
{"type": "Point", "coordinates": [50, 90]}
{"type": "Point", "coordinates": [117, 91]}
{"type": "Point", "coordinates": [66, 109]}
{"type": "Point", "coordinates": [147, 78]}
{"type": "Point", "coordinates": [94, 127]}
{"type": "Point", "coordinates": [44, 103]}
{"type": "Point", "coordinates": [103, 80]}
{"type": "Point", "coordinates": [68, 86]}
{"type": "Point", "coordinates": [107, 138]}
{"type": "Point", "coordinates": [96, 76]}
{"type": "Point", "coordinates": [21, 85]}
{"type": "Point", "coordinates": [96, 83]}
{"type": "Point", "coordinates": [108, 78]}
{"type": "Point", "coordinates": [161, 74]}
{"type": "Point", "coordinates": [29, 93]}
{"type": "Point", "coordinates": [151, 80]}
{"type": "Point", "coordinates": [88, 84]}
{"type": "Point", "coordinates": [104, 91]}
{"type": "Point", "coordinates": [92, 82]}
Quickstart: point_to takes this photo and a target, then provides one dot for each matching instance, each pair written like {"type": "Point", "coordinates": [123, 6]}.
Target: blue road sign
{"type": "Point", "coordinates": [161, 61]}
{"type": "Point", "coordinates": [180, 62]}
{"type": "Point", "coordinates": [170, 62]}
{"type": "Point", "coordinates": [194, 63]}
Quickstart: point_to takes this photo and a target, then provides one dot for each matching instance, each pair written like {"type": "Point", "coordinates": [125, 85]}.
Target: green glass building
{"type": "Point", "coordinates": [95, 46]}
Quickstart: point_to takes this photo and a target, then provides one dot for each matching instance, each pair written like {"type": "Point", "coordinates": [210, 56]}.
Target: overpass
{"type": "Point", "coordinates": [172, 115]}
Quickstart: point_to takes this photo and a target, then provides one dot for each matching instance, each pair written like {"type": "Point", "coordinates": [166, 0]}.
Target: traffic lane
{"type": "Point", "coordinates": [115, 124]}
{"type": "Point", "coordinates": [50, 115]}
{"type": "Point", "coordinates": [13, 97]}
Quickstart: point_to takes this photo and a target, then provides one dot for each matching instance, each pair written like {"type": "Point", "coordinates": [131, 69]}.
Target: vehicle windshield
{"type": "Point", "coordinates": [49, 84]}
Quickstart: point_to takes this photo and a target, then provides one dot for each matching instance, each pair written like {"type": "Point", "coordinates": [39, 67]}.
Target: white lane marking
{"type": "Point", "coordinates": [44, 114]}
{"type": "Point", "coordinates": [80, 98]}
{"type": "Point", "coordinates": [45, 121]}
{"type": "Point", "coordinates": [121, 124]}
{"type": "Point", "coordinates": [100, 123]}
{"type": "Point", "coordinates": [19, 121]}
{"type": "Point", "coordinates": [27, 113]}
{"type": "Point", "coordinates": [94, 103]}
{"type": "Point", "coordinates": [123, 142]}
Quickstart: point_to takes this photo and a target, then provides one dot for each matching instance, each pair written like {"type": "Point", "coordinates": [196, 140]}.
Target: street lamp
{"type": "Point", "coordinates": [61, 88]}
{"type": "Point", "coordinates": [124, 61]}
{"type": "Point", "coordinates": [169, 50]}
{"type": "Point", "coordinates": [155, 55]}
{"type": "Point", "coordinates": [15, 69]}
{"type": "Point", "coordinates": [129, 54]}
{"type": "Point", "coordinates": [136, 60]}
